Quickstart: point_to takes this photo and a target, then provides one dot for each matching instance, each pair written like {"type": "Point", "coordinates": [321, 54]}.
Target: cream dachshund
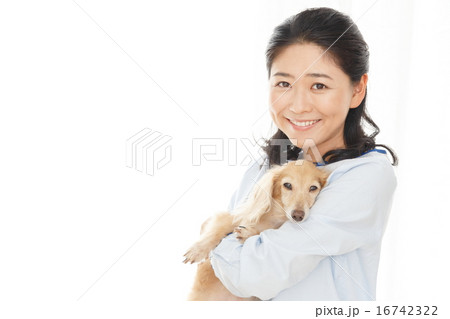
{"type": "Point", "coordinates": [284, 193]}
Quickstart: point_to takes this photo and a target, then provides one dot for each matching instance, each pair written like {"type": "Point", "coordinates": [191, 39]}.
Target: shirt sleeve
{"type": "Point", "coordinates": [350, 212]}
{"type": "Point", "coordinates": [232, 202]}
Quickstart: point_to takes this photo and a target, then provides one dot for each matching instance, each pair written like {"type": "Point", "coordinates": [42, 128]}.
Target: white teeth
{"type": "Point", "coordinates": [307, 123]}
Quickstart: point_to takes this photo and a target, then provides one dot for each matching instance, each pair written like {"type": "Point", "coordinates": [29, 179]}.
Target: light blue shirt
{"type": "Point", "coordinates": [333, 255]}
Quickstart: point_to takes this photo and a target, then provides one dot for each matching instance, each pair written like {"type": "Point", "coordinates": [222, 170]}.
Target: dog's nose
{"type": "Point", "coordinates": [298, 215]}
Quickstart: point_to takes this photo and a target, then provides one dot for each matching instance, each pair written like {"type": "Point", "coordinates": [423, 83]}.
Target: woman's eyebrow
{"type": "Point", "coordinates": [284, 74]}
{"type": "Point", "coordinates": [319, 75]}
{"type": "Point", "coordinates": [312, 75]}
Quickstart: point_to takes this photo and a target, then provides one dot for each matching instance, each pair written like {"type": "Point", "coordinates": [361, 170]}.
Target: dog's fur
{"type": "Point", "coordinates": [284, 193]}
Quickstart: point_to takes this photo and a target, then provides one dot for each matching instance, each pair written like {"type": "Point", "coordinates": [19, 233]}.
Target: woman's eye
{"type": "Point", "coordinates": [318, 86]}
{"type": "Point", "coordinates": [288, 186]}
{"type": "Point", "coordinates": [283, 84]}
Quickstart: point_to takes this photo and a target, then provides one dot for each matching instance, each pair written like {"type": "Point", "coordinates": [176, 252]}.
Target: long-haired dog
{"type": "Point", "coordinates": [284, 193]}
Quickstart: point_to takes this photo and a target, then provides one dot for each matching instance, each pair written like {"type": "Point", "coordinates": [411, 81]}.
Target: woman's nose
{"type": "Point", "coordinates": [299, 101]}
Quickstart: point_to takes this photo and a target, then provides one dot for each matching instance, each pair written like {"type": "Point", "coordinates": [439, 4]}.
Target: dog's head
{"type": "Point", "coordinates": [287, 192]}
{"type": "Point", "coordinates": [296, 186]}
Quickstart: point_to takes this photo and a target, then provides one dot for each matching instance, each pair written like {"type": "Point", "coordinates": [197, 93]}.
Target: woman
{"type": "Point", "coordinates": [317, 62]}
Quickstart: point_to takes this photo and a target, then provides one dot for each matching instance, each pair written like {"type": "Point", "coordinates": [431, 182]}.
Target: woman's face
{"type": "Point", "coordinates": [310, 97]}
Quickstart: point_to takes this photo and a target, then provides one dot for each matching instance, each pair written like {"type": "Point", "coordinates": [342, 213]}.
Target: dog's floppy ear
{"type": "Point", "coordinates": [260, 199]}
{"type": "Point", "coordinates": [323, 178]}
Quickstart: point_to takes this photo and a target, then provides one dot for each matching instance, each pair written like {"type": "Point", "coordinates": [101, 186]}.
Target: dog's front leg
{"type": "Point", "coordinates": [213, 230]}
{"type": "Point", "coordinates": [244, 232]}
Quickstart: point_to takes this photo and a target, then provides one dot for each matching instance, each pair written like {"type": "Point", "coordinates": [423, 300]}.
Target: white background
{"type": "Point", "coordinates": [83, 235]}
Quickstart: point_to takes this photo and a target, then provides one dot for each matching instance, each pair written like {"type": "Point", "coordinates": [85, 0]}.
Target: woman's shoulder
{"type": "Point", "coordinates": [374, 160]}
{"type": "Point", "coordinates": [373, 166]}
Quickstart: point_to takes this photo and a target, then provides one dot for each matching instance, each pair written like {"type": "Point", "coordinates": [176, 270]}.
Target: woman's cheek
{"type": "Point", "coordinates": [276, 102]}
{"type": "Point", "coordinates": [274, 115]}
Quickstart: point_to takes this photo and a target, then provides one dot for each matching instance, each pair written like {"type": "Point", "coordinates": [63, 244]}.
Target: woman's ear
{"type": "Point", "coordinates": [359, 91]}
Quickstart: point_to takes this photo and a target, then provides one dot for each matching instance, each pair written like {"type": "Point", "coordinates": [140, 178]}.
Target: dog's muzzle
{"type": "Point", "coordinates": [298, 215]}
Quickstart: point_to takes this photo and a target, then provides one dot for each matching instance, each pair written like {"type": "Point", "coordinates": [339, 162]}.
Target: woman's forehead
{"type": "Point", "coordinates": [298, 59]}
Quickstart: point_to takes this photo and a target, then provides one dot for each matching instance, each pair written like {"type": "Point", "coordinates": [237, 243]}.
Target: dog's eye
{"type": "Point", "coordinates": [313, 188]}
{"type": "Point", "coordinates": [288, 185]}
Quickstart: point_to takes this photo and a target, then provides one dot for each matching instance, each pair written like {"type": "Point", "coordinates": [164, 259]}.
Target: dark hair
{"type": "Point", "coordinates": [336, 33]}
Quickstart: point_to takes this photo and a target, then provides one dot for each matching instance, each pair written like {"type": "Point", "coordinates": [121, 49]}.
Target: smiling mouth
{"type": "Point", "coordinates": [303, 123]}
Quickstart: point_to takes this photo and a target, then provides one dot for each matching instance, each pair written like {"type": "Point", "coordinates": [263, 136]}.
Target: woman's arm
{"type": "Point", "coordinates": [350, 212]}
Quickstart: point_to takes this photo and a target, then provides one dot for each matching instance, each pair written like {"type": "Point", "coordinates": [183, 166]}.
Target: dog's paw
{"type": "Point", "coordinates": [244, 232]}
{"type": "Point", "coordinates": [196, 254]}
